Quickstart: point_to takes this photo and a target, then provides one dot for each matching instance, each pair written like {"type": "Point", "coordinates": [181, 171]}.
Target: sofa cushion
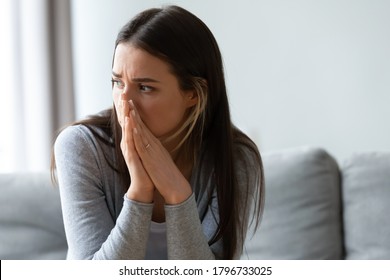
{"type": "Point", "coordinates": [302, 218]}
{"type": "Point", "coordinates": [366, 202]}
{"type": "Point", "coordinates": [31, 225]}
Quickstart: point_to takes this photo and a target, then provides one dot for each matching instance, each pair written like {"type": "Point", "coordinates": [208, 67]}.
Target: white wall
{"type": "Point", "coordinates": [298, 72]}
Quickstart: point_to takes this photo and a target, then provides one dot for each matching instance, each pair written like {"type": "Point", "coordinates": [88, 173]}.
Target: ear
{"type": "Point", "coordinates": [191, 98]}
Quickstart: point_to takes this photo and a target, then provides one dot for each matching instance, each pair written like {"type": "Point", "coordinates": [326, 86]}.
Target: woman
{"type": "Point", "coordinates": [164, 173]}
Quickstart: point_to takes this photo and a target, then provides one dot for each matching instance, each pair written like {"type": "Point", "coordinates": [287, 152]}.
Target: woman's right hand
{"type": "Point", "coordinates": [141, 187]}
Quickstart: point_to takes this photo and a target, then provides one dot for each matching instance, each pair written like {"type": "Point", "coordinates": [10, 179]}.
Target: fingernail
{"type": "Point", "coordinates": [135, 131]}
{"type": "Point", "coordinates": [133, 112]}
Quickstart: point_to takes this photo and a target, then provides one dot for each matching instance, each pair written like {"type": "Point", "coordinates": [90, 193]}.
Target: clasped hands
{"type": "Point", "coordinates": [150, 165]}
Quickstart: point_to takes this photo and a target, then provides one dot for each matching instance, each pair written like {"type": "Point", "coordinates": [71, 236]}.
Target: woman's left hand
{"type": "Point", "coordinates": [158, 163]}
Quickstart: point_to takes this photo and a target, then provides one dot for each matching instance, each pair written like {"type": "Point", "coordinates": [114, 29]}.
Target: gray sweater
{"type": "Point", "coordinates": [102, 223]}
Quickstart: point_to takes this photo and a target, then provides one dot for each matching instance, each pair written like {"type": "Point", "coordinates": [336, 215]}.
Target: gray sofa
{"type": "Point", "coordinates": [318, 209]}
{"type": "Point", "coordinates": [315, 209]}
{"type": "Point", "coordinates": [31, 224]}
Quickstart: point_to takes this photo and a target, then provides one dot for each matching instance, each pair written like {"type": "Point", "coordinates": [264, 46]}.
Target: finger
{"type": "Point", "coordinates": [139, 124]}
{"type": "Point", "coordinates": [135, 113]}
{"type": "Point", "coordinates": [141, 129]}
{"type": "Point", "coordinates": [128, 142]}
{"type": "Point", "coordinates": [124, 138]}
{"type": "Point", "coordinates": [141, 142]}
{"type": "Point", "coordinates": [129, 135]}
{"type": "Point", "coordinates": [119, 112]}
{"type": "Point", "coordinates": [124, 111]}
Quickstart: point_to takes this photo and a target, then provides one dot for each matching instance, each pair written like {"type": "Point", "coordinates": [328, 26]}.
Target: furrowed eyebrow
{"type": "Point", "coordinates": [137, 80]}
{"type": "Point", "coordinates": [144, 80]}
{"type": "Point", "coordinates": [116, 75]}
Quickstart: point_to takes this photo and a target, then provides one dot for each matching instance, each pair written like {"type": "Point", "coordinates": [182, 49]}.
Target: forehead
{"type": "Point", "coordinates": [133, 61]}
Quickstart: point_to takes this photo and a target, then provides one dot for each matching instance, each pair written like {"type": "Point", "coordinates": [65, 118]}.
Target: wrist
{"type": "Point", "coordinates": [179, 195]}
{"type": "Point", "coordinates": [139, 195]}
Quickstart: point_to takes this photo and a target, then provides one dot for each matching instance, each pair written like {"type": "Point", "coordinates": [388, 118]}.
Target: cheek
{"type": "Point", "coordinates": [115, 95]}
{"type": "Point", "coordinates": [115, 98]}
{"type": "Point", "coordinates": [162, 120]}
{"type": "Point", "coordinates": [151, 114]}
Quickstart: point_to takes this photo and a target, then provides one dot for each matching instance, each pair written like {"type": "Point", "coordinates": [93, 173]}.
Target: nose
{"type": "Point", "coordinates": [124, 95]}
{"type": "Point", "coordinates": [128, 94]}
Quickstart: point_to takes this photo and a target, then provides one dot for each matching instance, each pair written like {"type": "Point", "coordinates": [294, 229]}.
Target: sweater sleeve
{"type": "Point", "coordinates": [186, 239]}
{"type": "Point", "coordinates": [188, 235]}
{"type": "Point", "coordinates": [91, 231]}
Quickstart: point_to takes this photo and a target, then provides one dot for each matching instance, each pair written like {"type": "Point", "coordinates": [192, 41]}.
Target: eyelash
{"type": "Point", "coordinates": [121, 85]}
{"type": "Point", "coordinates": [117, 83]}
{"type": "Point", "coordinates": [142, 87]}
{"type": "Point", "coordinates": [145, 88]}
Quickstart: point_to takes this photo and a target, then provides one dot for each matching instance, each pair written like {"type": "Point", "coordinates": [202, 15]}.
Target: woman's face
{"type": "Point", "coordinates": [155, 91]}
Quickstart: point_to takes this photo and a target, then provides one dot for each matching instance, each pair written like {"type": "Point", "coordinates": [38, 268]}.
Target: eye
{"type": "Point", "coordinates": [145, 88]}
{"type": "Point", "coordinates": [117, 83]}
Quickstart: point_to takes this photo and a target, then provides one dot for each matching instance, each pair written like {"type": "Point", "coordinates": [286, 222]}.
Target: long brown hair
{"type": "Point", "coordinates": [186, 44]}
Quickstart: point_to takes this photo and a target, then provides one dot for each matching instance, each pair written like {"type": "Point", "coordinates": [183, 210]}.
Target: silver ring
{"type": "Point", "coordinates": [147, 146]}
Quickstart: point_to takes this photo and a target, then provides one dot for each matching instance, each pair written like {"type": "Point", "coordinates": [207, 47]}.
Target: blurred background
{"type": "Point", "coordinates": [298, 72]}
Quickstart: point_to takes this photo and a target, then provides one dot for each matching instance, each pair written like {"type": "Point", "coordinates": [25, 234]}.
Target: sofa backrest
{"type": "Point", "coordinates": [366, 205]}
{"type": "Point", "coordinates": [31, 225]}
{"type": "Point", "coordinates": [315, 209]}
{"type": "Point", "coordinates": [302, 215]}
